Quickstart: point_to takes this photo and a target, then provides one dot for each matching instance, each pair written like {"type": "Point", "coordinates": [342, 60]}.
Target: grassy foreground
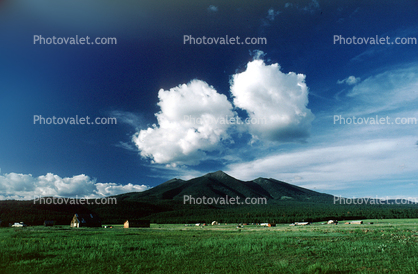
{"type": "Point", "coordinates": [385, 246]}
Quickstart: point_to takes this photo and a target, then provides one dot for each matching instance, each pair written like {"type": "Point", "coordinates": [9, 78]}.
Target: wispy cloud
{"type": "Point", "coordinates": [351, 80]}
{"type": "Point", "coordinates": [336, 165]}
{"type": "Point", "coordinates": [395, 89]}
{"type": "Point", "coordinates": [212, 8]}
{"type": "Point", "coordinates": [311, 7]}
{"type": "Point", "coordinates": [127, 146]}
{"type": "Point", "coordinates": [133, 119]}
{"type": "Point", "coordinates": [271, 14]}
{"type": "Point", "coordinates": [385, 50]}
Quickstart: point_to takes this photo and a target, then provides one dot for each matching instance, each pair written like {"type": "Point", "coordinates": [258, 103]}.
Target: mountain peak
{"type": "Point", "coordinates": [217, 175]}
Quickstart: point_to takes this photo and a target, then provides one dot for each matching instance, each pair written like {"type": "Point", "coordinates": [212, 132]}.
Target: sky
{"type": "Point", "coordinates": [304, 105]}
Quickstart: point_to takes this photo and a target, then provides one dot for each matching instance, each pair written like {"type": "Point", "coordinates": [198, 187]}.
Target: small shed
{"type": "Point", "coordinates": [49, 223]}
{"type": "Point", "coordinates": [136, 223]}
{"type": "Point", "coordinates": [356, 222]}
{"type": "Point", "coordinates": [86, 220]}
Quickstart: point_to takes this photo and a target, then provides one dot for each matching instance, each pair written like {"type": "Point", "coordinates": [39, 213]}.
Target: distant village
{"type": "Point", "coordinates": [92, 220]}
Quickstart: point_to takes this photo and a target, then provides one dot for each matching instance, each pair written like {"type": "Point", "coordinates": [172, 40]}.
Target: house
{"type": "Point", "coordinates": [86, 220]}
{"type": "Point", "coordinates": [49, 223]}
{"type": "Point", "coordinates": [136, 223]}
{"type": "Point", "coordinates": [21, 224]}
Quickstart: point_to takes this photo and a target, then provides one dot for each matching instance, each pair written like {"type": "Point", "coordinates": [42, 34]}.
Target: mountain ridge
{"type": "Point", "coordinates": [220, 184]}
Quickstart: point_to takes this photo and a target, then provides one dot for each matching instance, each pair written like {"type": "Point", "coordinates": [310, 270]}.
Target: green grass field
{"type": "Point", "coordinates": [385, 246]}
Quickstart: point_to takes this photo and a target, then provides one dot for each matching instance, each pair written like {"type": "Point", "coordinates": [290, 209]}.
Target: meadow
{"type": "Point", "coordinates": [382, 247]}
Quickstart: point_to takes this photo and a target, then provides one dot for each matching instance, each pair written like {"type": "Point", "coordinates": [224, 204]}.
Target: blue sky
{"type": "Point", "coordinates": [150, 81]}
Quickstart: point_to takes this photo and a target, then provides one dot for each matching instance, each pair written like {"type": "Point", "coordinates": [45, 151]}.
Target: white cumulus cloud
{"type": "Point", "coordinates": [278, 101]}
{"type": "Point", "coordinates": [109, 189]}
{"type": "Point", "coordinates": [26, 186]}
{"type": "Point", "coordinates": [193, 119]}
{"type": "Point", "coordinates": [186, 125]}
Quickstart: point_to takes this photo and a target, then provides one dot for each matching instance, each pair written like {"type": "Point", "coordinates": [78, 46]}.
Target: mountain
{"type": "Point", "coordinates": [219, 184]}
